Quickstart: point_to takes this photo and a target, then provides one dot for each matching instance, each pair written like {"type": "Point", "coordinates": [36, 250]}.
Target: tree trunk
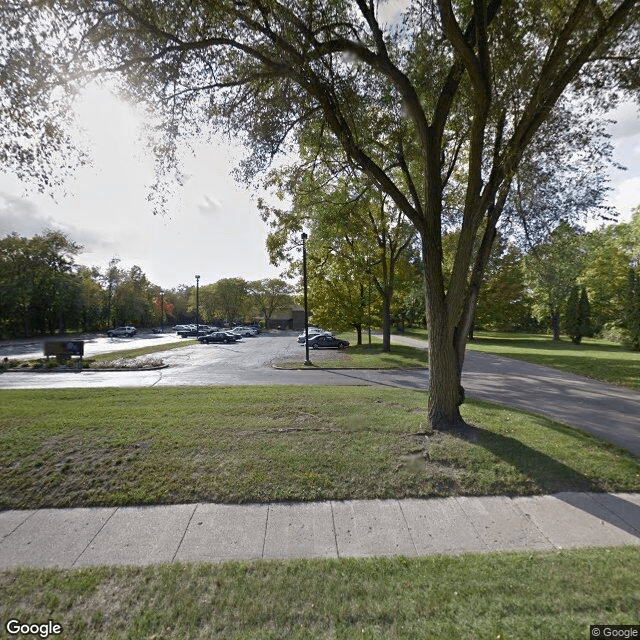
{"type": "Point", "coordinates": [555, 325]}
{"type": "Point", "coordinates": [386, 321]}
{"type": "Point", "coordinates": [445, 391]}
{"type": "Point", "coordinates": [359, 333]}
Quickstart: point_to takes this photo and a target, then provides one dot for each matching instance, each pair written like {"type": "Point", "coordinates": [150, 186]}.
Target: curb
{"type": "Point", "coordinates": [83, 370]}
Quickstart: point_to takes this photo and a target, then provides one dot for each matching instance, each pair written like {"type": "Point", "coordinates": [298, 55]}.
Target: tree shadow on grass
{"type": "Point", "coordinates": [554, 477]}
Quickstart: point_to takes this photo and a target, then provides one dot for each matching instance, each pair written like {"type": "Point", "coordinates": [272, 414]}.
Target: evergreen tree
{"type": "Point", "coordinates": [572, 316]}
{"type": "Point", "coordinates": [577, 321]}
{"type": "Point", "coordinates": [584, 309]}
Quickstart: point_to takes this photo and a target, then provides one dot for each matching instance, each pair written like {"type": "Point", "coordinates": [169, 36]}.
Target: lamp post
{"type": "Point", "coordinates": [369, 305]}
{"type": "Point", "coordinates": [306, 308]}
{"type": "Point", "coordinates": [197, 305]}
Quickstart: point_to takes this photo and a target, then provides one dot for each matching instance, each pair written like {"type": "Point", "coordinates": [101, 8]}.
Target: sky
{"type": "Point", "coordinates": [214, 228]}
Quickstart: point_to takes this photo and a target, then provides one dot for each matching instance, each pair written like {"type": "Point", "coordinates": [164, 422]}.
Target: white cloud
{"type": "Point", "coordinates": [627, 122]}
{"type": "Point", "coordinates": [626, 197]}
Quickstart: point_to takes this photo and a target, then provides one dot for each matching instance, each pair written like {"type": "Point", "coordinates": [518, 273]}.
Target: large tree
{"type": "Point", "coordinates": [552, 269]}
{"type": "Point", "coordinates": [230, 298]}
{"type": "Point", "coordinates": [39, 287]}
{"type": "Point", "coordinates": [269, 295]}
{"type": "Point", "coordinates": [350, 223]}
{"type": "Point", "coordinates": [437, 110]}
{"type": "Point", "coordinates": [504, 303]}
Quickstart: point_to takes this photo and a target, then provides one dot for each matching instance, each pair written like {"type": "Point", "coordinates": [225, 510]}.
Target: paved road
{"type": "Point", "coordinates": [608, 412]}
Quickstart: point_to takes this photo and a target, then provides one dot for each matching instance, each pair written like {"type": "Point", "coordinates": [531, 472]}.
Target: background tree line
{"type": "Point", "coordinates": [43, 290]}
{"type": "Point", "coordinates": [571, 282]}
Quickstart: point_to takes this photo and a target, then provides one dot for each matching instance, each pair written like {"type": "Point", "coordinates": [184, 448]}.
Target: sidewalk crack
{"type": "Point", "coordinates": [335, 532]}
{"type": "Point", "coordinates": [266, 524]}
{"type": "Point", "coordinates": [473, 526]}
{"type": "Point", "coordinates": [184, 533]}
{"type": "Point", "coordinates": [18, 526]}
{"type": "Point", "coordinates": [407, 525]}
{"type": "Point", "coordinates": [104, 524]}
{"type": "Point", "coordinates": [528, 517]}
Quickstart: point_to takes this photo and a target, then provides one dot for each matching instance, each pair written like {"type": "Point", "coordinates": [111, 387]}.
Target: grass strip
{"type": "Point", "coordinates": [364, 356]}
{"type": "Point", "coordinates": [511, 596]}
{"type": "Point", "coordinates": [112, 356]}
{"type": "Point", "coordinates": [89, 447]}
{"type": "Point", "coordinates": [141, 351]}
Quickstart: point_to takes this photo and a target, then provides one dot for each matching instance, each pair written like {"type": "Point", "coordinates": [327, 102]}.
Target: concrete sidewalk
{"type": "Point", "coordinates": [356, 528]}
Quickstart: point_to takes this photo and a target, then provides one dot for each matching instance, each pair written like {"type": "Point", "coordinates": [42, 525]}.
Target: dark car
{"type": "Point", "coordinates": [218, 336]}
{"type": "Point", "coordinates": [327, 341]}
{"type": "Point", "coordinates": [202, 329]}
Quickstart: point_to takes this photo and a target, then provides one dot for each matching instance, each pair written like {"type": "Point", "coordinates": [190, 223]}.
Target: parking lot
{"type": "Point", "coordinates": [249, 361]}
{"type": "Point", "coordinates": [93, 344]}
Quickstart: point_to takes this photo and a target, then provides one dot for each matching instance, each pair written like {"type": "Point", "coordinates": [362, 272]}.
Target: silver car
{"type": "Point", "coordinates": [122, 332]}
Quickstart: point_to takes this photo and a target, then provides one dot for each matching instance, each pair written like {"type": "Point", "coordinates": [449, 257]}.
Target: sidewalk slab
{"type": "Point", "coordinates": [575, 520]}
{"type": "Point", "coordinates": [371, 528]}
{"type": "Point", "coordinates": [53, 537]}
{"type": "Point", "coordinates": [439, 525]}
{"type": "Point", "coordinates": [220, 532]}
{"type": "Point", "coordinates": [501, 526]}
{"type": "Point", "coordinates": [626, 509]}
{"type": "Point", "coordinates": [303, 530]}
{"type": "Point", "coordinates": [11, 520]}
{"type": "Point", "coordinates": [355, 528]}
{"type": "Point", "coordinates": [139, 536]}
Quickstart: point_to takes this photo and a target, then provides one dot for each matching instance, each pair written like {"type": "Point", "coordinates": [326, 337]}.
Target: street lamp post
{"type": "Point", "coordinates": [197, 305]}
{"type": "Point", "coordinates": [306, 308]}
{"type": "Point", "coordinates": [369, 305]}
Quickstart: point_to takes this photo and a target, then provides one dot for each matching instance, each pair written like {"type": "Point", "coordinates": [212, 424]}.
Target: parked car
{"type": "Point", "coordinates": [245, 332]}
{"type": "Point", "coordinates": [327, 341]}
{"type": "Point", "coordinates": [122, 332]}
{"type": "Point", "coordinates": [218, 336]}
{"type": "Point", "coordinates": [313, 331]}
{"type": "Point", "coordinates": [202, 329]}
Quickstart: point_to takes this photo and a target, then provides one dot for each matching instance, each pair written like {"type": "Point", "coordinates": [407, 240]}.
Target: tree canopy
{"type": "Point", "coordinates": [439, 110]}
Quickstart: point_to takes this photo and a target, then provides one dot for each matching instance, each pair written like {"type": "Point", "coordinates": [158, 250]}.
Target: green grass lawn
{"type": "Point", "coordinates": [82, 447]}
{"type": "Point", "coordinates": [510, 596]}
{"type": "Point", "coordinates": [364, 356]}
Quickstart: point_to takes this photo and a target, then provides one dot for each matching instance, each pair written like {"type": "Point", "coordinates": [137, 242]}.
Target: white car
{"type": "Point", "coordinates": [184, 327]}
{"type": "Point", "coordinates": [245, 332]}
{"type": "Point", "coordinates": [313, 331]}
